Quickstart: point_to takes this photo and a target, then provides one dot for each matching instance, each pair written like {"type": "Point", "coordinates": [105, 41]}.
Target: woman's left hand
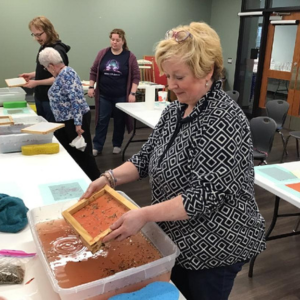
{"type": "Point", "coordinates": [30, 84]}
{"type": "Point", "coordinates": [79, 130]}
{"type": "Point", "coordinates": [129, 224]}
{"type": "Point", "coordinates": [131, 98]}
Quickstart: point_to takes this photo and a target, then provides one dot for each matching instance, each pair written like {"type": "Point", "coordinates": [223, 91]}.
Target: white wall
{"type": "Point", "coordinates": [85, 26]}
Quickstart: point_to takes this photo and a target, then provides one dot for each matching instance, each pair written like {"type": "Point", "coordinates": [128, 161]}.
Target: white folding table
{"type": "Point", "coordinates": [22, 176]}
{"type": "Point", "coordinates": [274, 181]}
{"type": "Point", "coordinates": [140, 112]}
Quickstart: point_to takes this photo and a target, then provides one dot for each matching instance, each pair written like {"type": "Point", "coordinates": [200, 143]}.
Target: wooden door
{"type": "Point", "coordinates": [281, 73]}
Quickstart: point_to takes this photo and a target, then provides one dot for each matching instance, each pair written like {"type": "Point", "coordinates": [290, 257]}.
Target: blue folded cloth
{"type": "Point", "coordinates": [13, 216]}
{"type": "Point", "coordinates": [158, 290]}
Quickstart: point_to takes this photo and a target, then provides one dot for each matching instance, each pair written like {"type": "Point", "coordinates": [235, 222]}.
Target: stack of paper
{"type": "Point", "coordinates": [15, 82]}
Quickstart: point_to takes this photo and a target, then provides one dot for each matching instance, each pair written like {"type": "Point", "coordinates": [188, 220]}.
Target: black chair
{"type": "Point", "coordinates": [262, 130]}
{"type": "Point", "coordinates": [277, 110]}
{"type": "Point", "coordinates": [234, 95]}
{"type": "Point", "coordinates": [296, 135]}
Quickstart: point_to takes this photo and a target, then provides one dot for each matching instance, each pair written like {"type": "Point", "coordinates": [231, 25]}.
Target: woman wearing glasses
{"type": "Point", "coordinates": [116, 72]}
{"type": "Point", "coordinates": [200, 164]}
{"type": "Point", "coordinates": [44, 33]}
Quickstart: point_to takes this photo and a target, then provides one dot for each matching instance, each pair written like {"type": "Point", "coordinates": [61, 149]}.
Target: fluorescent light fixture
{"type": "Point", "coordinates": [275, 18]}
{"type": "Point", "coordinates": [285, 22]}
{"type": "Point", "coordinates": [250, 13]}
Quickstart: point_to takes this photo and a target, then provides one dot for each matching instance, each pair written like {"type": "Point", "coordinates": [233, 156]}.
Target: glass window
{"type": "Point", "coordinates": [283, 47]}
{"type": "Point", "coordinates": [254, 4]}
{"type": "Point", "coordinates": [277, 89]}
{"type": "Point", "coordinates": [258, 37]}
{"type": "Point", "coordinates": [285, 3]}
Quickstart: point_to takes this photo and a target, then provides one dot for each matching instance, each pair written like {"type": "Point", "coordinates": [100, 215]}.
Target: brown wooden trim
{"type": "Point", "coordinates": [294, 109]}
{"type": "Point", "coordinates": [282, 75]}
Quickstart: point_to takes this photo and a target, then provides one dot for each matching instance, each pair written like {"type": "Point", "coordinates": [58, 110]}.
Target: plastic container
{"type": "Point", "coordinates": [162, 96]}
{"type": "Point", "coordinates": [12, 139]}
{"type": "Point", "coordinates": [121, 282]}
{"type": "Point", "coordinates": [11, 94]}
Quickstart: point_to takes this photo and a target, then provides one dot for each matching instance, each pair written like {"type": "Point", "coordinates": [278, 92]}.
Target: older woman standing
{"type": "Point", "coordinates": [42, 30]}
{"type": "Point", "coordinates": [70, 107]}
{"type": "Point", "coordinates": [200, 164]}
{"type": "Point", "coordinates": [116, 72]}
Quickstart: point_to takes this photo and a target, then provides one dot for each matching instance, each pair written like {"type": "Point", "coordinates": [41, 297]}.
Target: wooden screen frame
{"type": "Point", "coordinates": [93, 244]}
{"type": "Point", "coordinates": [8, 120]}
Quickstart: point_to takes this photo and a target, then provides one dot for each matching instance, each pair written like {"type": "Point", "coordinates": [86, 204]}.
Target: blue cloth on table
{"type": "Point", "coordinates": [158, 290]}
{"type": "Point", "coordinates": [13, 216]}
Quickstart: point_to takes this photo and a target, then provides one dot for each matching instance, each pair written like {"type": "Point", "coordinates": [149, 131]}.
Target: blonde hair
{"type": "Point", "coordinates": [45, 25]}
{"type": "Point", "coordinates": [201, 51]}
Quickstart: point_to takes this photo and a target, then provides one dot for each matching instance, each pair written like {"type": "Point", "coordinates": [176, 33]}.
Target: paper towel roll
{"type": "Point", "coordinates": [150, 97]}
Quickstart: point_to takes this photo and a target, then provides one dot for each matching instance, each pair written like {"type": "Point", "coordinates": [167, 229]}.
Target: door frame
{"type": "Point", "coordinates": [267, 11]}
{"type": "Point", "coordinates": [290, 76]}
{"type": "Point", "coordinates": [237, 82]}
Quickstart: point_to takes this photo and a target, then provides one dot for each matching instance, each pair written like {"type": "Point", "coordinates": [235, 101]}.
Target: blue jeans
{"type": "Point", "coordinates": [106, 108]}
{"type": "Point", "coordinates": [208, 284]}
{"type": "Point", "coordinates": [43, 109]}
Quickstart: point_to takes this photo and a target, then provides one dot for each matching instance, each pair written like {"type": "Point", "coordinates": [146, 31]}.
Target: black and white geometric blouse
{"type": "Point", "coordinates": [207, 158]}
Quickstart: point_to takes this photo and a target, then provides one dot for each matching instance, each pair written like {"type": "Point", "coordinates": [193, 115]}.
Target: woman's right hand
{"type": "Point", "coordinates": [91, 93]}
{"type": "Point", "coordinates": [94, 187]}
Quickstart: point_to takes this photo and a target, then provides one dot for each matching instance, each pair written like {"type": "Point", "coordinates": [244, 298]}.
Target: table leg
{"type": "Point", "coordinates": [298, 223]}
{"type": "Point", "coordinates": [270, 229]}
{"type": "Point", "coordinates": [285, 148]}
{"type": "Point", "coordinates": [130, 139]}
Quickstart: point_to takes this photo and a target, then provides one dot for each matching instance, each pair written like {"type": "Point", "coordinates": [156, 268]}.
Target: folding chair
{"type": "Point", "coordinates": [296, 135]}
{"type": "Point", "coordinates": [262, 130]}
{"type": "Point", "coordinates": [234, 95]}
{"type": "Point", "coordinates": [277, 110]}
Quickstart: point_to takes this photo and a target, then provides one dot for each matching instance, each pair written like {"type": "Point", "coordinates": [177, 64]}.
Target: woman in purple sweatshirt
{"type": "Point", "coordinates": [116, 74]}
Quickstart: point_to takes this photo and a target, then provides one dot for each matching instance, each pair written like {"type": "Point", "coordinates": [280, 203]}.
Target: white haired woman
{"type": "Point", "coordinates": [69, 106]}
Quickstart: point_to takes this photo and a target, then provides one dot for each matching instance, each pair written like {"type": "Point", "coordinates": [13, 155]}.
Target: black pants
{"type": "Point", "coordinates": [43, 109]}
{"type": "Point", "coordinates": [85, 159]}
{"type": "Point", "coordinates": [210, 284]}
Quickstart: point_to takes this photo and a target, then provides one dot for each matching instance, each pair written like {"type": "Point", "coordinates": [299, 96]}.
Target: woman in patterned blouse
{"type": "Point", "coordinates": [69, 106]}
{"type": "Point", "coordinates": [200, 164]}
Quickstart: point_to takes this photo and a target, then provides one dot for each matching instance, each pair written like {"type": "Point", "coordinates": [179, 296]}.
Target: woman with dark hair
{"type": "Point", "coordinates": [42, 30]}
{"type": "Point", "coordinates": [116, 72]}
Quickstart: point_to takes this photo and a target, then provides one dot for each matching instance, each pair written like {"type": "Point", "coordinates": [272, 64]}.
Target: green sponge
{"type": "Point", "coordinates": [50, 148]}
{"type": "Point", "coordinates": [15, 104]}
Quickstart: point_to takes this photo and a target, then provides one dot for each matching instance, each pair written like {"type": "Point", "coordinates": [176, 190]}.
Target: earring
{"type": "Point", "coordinates": [206, 84]}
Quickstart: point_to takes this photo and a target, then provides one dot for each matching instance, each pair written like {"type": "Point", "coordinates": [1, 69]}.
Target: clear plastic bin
{"type": "Point", "coordinates": [11, 94]}
{"type": "Point", "coordinates": [12, 139]}
{"type": "Point", "coordinates": [125, 281]}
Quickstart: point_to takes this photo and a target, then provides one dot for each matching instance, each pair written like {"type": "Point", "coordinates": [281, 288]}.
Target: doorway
{"type": "Point", "coordinates": [247, 61]}
{"type": "Point", "coordinates": [281, 70]}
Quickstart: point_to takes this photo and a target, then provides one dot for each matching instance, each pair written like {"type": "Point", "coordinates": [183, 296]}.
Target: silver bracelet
{"type": "Point", "coordinates": [111, 173]}
{"type": "Point", "coordinates": [109, 179]}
